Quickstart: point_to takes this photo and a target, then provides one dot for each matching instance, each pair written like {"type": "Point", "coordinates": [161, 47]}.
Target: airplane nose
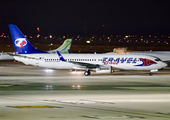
{"type": "Point", "coordinates": [163, 64]}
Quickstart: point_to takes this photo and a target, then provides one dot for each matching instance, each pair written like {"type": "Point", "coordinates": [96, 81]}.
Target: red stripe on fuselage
{"type": "Point", "coordinates": [147, 62]}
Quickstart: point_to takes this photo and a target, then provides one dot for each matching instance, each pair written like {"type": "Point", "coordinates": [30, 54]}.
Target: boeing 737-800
{"type": "Point", "coordinates": [101, 63]}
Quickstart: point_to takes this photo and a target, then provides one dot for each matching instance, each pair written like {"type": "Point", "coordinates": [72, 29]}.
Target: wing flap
{"type": "Point", "coordinates": [88, 65]}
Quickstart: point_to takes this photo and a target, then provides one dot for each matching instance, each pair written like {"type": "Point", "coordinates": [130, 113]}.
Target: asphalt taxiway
{"type": "Point", "coordinates": [28, 92]}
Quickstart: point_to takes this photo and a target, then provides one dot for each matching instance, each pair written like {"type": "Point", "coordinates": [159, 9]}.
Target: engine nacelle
{"type": "Point", "coordinates": [104, 70]}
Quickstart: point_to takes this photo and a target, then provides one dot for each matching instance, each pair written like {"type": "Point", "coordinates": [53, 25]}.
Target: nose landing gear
{"type": "Point", "coordinates": [150, 73]}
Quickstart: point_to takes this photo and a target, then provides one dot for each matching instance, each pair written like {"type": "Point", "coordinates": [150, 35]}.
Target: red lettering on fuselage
{"type": "Point", "coordinates": [110, 63]}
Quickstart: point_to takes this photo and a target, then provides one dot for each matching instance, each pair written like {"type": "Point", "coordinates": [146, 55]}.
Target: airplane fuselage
{"type": "Point", "coordinates": [125, 62]}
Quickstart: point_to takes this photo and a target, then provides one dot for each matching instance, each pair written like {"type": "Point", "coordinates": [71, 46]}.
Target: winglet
{"type": "Point", "coordinates": [69, 51]}
{"type": "Point", "coordinates": [60, 56]}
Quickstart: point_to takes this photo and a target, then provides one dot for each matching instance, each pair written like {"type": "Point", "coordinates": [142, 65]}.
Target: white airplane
{"type": "Point", "coordinates": [64, 48]}
{"type": "Point", "coordinates": [101, 63]}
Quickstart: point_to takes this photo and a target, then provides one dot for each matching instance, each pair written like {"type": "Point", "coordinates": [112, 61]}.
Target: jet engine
{"type": "Point", "coordinates": [104, 70]}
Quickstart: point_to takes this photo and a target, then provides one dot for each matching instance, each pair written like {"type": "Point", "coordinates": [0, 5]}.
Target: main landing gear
{"type": "Point", "coordinates": [86, 73]}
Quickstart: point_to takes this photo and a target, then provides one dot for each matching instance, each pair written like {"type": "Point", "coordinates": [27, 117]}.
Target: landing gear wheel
{"type": "Point", "coordinates": [86, 73]}
{"type": "Point", "coordinates": [150, 73]}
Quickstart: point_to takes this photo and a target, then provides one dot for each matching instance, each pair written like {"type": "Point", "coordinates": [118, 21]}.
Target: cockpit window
{"type": "Point", "coordinates": [157, 59]}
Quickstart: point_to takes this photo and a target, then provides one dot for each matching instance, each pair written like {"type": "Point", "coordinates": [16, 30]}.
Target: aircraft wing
{"type": "Point", "coordinates": [88, 65]}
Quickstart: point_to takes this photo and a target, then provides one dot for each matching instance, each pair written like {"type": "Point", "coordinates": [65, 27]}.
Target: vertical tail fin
{"type": "Point", "coordinates": [21, 44]}
{"type": "Point", "coordinates": [64, 47]}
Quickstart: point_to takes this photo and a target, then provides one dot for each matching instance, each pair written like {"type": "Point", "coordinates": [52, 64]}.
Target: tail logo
{"type": "Point", "coordinates": [20, 42]}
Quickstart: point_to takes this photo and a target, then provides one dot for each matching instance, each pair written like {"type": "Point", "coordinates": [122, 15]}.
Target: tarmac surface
{"type": "Point", "coordinates": [28, 92]}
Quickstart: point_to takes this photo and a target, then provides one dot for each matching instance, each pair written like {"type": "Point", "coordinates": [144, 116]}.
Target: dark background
{"type": "Point", "coordinates": [86, 17]}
